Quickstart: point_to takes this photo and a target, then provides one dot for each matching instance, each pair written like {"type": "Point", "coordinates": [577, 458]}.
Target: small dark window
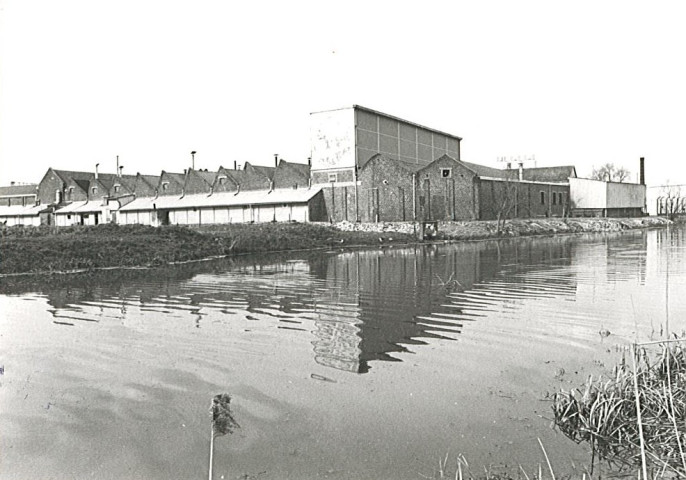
{"type": "Point", "coordinates": [222, 180]}
{"type": "Point", "coordinates": [542, 198]}
{"type": "Point", "coordinates": [554, 198]}
{"type": "Point", "coordinates": [165, 185]}
{"type": "Point", "coordinates": [446, 172]}
{"type": "Point", "coordinates": [333, 177]}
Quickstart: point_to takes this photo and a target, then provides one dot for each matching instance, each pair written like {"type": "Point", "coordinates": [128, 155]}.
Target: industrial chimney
{"type": "Point", "coordinates": [642, 172]}
{"type": "Point", "coordinates": [96, 170]}
{"type": "Point", "coordinates": [276, 159]}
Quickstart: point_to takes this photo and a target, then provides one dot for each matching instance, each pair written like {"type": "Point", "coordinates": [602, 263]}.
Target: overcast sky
{"type": "Point", "coordinates": [581, 83]}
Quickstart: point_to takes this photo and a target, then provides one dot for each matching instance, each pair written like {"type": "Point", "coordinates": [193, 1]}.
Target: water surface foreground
{"type": "Point", "coordinates": [341, 364]}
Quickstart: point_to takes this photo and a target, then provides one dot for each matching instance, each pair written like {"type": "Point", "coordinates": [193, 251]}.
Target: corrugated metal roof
{"type": "Point", "coordinates": [90, 206]}
{"type": "Point", "coordinates": [223, 199]}
{"type": "Point", "coordinates": [19, 211]}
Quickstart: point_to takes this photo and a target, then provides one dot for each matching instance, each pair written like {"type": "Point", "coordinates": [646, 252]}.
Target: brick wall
{"type": "Point", "coordinates": [522, 199]}
{"type": "Point", "coordinates": [342, 175]}
{"type": "Point", "coordinates": [446, 191]}
{"type": "Point", "coordinates": [339, 203]}
{"type": "Point", "coordinates": [385, 191]}
{"type": "Point", "coordinates": [48, 186]}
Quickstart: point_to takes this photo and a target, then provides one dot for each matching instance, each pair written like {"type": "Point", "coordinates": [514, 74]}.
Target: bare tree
{"type": "Point", "coordinates": [505, 203]}
{"type": "Point", "coordinates": [670, 201]}
{"type": "Point", "coordinates": [609, 172]}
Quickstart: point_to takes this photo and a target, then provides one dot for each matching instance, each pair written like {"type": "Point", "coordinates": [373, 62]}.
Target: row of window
{"type": "Point", "coordinates": [558, 198]}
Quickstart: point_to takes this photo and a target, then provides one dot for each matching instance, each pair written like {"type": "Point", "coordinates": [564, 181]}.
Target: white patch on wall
{"type": "Point", "coordinates": [332, 137]}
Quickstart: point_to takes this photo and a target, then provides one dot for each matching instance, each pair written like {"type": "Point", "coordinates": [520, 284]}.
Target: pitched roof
{"type": "Point", "coordinates": [407, 166]}
{"type": "Point", "coordinates": [178, 178]}
{"type": "Point", "coordinates": [265, 171]}
{"type": "Point", "coordinates": [18, 190]}
{"type": "Point", "coordinates": [301, 168]}
{"type": "Point", "coordinates": [89, 206]}
{"type": "Point", "coordinates": [209, 177]}
{"type": "Point", "coordinates": [484, 171]}
{"type": "Point", "coordinates": [223, 199]}
{"type": "Point", "coordinates": [21, 211]}
{"type": "Point", "coordinates": [549, 174]}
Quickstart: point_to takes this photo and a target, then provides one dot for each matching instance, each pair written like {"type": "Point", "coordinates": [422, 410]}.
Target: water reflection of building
{"type": "Point", "coordinates": [360, 306]}
{"type": "Point", "coordinates": [397, 298]}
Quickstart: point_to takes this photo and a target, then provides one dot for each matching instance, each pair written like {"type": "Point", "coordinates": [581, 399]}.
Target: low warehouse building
{"type": "Point", "coordinates": [90, 212]}
{"type": "Point", "coordinates": [32, 215]}
{"type": "Point", "coordinates": [280, 205]}
{"type": "Point", "coordinates": [596, 198]}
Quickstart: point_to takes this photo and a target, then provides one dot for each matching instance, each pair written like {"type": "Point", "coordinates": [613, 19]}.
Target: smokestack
{"type": "Point", "coordinates": [309, 162]}
{"type": "Point", "coordinates": [642, 172]}
{"type": "Point", "coordinates": [276, 159]}
{"type": "Point", "coordinates": [117, 170]}
{"type": "Point", "coordinates": [521, 171]}
{"type": "Point", "coordinates": [120, 169]}
{"type": "Point", "coordinates": [96, 170]}
{"type": "Point", "coordinates": [235, 165]}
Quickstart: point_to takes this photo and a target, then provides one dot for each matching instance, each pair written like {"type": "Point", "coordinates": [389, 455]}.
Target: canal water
{"type": "Point", "coordinates": [344, 364]}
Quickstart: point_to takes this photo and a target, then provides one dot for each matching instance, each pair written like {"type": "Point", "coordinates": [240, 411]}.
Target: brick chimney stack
{"type": "Point", "coordinates": [642, 172]}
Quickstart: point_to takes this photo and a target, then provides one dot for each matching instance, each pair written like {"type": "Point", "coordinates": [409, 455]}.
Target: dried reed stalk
{"type": "Point", "coordinates": [634, 417]}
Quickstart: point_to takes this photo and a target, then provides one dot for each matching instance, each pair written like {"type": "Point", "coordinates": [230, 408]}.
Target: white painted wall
{"type": "Point", "coordinates": [585, 193]}
{"type": "Point", "coordinates": [332, 138]}
{"type": "Point", "coordinates": [626, 195]}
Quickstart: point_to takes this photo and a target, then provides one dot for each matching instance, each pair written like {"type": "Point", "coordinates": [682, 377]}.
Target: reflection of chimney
{"type": "Point", "coordinates": [96, 170]}
{"type": "Point", "coordinates": [642, 172]}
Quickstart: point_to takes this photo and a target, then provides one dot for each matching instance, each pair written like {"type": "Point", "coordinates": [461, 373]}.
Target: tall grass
{"type": "Point", "coordinates": [636, 418]}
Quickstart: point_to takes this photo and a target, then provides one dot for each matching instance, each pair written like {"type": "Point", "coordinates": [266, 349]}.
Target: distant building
{"type": "Point", "coordinates": [18, 195]}
{"type": "Point", "coordinates": [377, 167]}
{"type": "Point", "coordinates": [595, 198]}
{"type": "Point", "coordinates": [18, 205]}
{"type": "Point", "coordinates": [365, 166]}
{"type": "Point", "coordinates": [344, 140]}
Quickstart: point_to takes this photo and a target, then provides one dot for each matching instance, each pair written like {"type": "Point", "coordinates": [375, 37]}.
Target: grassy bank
{"type": "Point", "coordinates": [45, 249]}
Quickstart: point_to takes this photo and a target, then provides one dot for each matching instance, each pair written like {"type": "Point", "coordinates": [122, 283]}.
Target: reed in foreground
{"type": "Point", "coordinates": [637, 417]}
